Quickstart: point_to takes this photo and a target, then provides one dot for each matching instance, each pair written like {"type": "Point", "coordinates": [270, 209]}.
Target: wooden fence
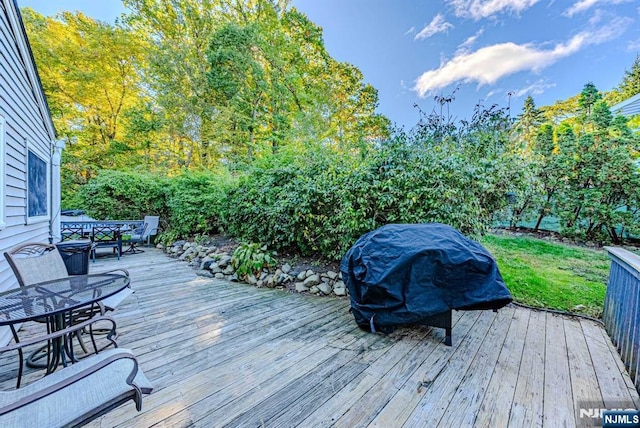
{"type": "Point", "coordinates": [622, 308]}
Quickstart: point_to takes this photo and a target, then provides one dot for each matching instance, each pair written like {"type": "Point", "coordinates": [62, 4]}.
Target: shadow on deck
{"type": "Point", "coordinates": [229, 354]}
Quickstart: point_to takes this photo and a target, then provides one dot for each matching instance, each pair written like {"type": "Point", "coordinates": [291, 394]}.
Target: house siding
{"type": "Point", "coordinates": [629, 107]}
{"type": "Point", "coordinates": [27, 126]}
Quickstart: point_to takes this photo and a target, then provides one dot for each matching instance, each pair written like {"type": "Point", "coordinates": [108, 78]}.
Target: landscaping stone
{"type": "Point", "coordinates": [205, 273]}
{"type": "Point", "coordinates": [312, 280]}
{"type": "Point", "coordinates": [340, 288]}
{"type": "Point", "coordinates": [206, 263]}
{"type": "Point", "coordinates": [224, 261]}
{"type": "Point", "coordinates": [300, 287]}
{"type": "Point", "coordinates": [270, 281]}
{"type": "Point", "coordinates": [189, 254]}
{"type": "Point", "coordinates": [325, 288]}
{"type": "Point", "coordinates": [209, 262]}
{"type": "Point", "coordinates": [340, 291]}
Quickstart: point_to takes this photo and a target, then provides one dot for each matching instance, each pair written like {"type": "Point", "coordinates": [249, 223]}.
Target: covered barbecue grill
{"type": "Point", "coordinates": [404, 274]}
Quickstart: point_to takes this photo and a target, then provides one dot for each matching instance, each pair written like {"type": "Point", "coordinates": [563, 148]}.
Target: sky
{"type": "Point", "coordinates": [478, 51]}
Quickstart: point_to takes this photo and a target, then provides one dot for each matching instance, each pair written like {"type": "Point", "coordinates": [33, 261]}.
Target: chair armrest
{"type": "Point", "coordinates": [126, 272]}
{"type": "Point", "coordinates": [59, 333]}
{"type": "Point", "coordinates": [50, 385]}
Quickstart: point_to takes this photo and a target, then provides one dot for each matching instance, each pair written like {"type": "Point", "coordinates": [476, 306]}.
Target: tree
{"type": "Point", "coordinates": [588, 97]}
{"type": "Point", "coordinates": [292, 91]}
{"type": "Point", "coordinates": [601, 186]}
{"type": "Point", "coordinates": [564, 110]}
{"type": "Point", "coordinates": [601, 116]}
{"type": "Point", "coordinates": [630, 84]}
{"type": "Point", "coordinates": [178, 33]}
{"type": "Point", "coordinates": [528, 122]}
{"type": "Point", "coordinates": [553, 159]}
{"type": "Point", "coordinates": [90, 73]}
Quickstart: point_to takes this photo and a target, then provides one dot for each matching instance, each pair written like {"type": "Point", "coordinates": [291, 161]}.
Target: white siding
{"type": "Point", "coordinates": [26, 124]}
{"type": "Point", "coordinates": [629, 107]}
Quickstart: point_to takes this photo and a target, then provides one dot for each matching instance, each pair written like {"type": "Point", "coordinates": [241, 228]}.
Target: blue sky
{"type": "Point", "coordinates": [413, 50]}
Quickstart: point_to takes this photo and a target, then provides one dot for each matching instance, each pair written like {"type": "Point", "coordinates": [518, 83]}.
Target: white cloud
{"type": "Point", "coordinates": [467, 44]}
{"type": "Point", "coordinates": [492, 93]}
{"type": "Point", "coordinates": [437, 25]}
{"type": "Point", "coordinates": [410, 31]}
{"type": "Point", "coordinates": [478, 9]}
{"type": "Point", "coordinates": [583, 5]}
{"type": "Point", "coordinates": [489, 64]}
{"type": "Point", "coordinates": [535, 88]}
{"type": "Point", "coordinates": [633, 45]}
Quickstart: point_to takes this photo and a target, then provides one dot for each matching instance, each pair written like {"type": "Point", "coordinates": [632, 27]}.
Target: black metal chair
{"type": "Point", "coordinates": [106, 237]}
{"type": "Point", "coordinates": [71, 233]}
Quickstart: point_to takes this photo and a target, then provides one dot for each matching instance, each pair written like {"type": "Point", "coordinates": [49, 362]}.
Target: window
{"type": "Point", "coordinates": [2, 169]}
{"type": "Point", "coordinates": [37, 188]}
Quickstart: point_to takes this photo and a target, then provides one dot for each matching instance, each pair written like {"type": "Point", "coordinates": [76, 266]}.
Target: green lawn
{"type": "Point", "coordinates": [551, 275]}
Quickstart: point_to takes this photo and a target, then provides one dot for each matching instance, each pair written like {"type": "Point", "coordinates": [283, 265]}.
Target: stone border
{"type": "Point", "coordinates": [213, 263]}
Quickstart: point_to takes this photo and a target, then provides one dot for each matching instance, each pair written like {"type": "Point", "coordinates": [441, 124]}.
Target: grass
{"type": "Point", "coordinates": [551, 275]}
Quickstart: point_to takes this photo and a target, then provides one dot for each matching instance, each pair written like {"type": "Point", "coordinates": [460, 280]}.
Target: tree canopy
{"type": "Point", "coordinates": [190, 84]}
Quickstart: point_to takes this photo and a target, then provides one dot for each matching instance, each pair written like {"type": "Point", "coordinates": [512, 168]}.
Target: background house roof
{"type": "Point", "coordinates": [629, 107]}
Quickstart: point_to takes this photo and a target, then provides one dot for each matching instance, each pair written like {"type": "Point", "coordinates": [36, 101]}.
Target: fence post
{"type": "Point", "coordinates": [621, 314]}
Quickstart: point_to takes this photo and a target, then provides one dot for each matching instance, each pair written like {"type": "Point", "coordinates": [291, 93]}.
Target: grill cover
{"type": "Point", "coordinates": [403, 273]}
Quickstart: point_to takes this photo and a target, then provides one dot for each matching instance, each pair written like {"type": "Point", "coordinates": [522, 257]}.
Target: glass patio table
{"type": "Point", "coordinates": [55, 301]}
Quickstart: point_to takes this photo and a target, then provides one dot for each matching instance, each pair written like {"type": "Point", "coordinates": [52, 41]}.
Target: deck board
{"type": "Point", "coordinates": [527, 406]}
{"type": "Point", "coordinates": [228, 354]}
{"type": "Point", "coordinates": [496, 405]}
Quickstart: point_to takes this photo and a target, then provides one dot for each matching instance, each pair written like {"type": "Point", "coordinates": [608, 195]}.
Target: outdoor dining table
{"type": "Point", "coordinates": [81, 229]}
{"type": "Point", "coordinates": [55, 301]}
{"type": "Point", "coordinates": [87, 225]}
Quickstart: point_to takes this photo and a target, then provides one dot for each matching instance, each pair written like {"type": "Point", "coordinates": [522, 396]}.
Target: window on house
{"type": "Point", "coordinates": [37, 188]}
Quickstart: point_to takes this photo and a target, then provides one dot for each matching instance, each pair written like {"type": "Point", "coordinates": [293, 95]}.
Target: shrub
{"type": "Point", "coordinates": [194, 201]}
{"type": "Point", "coordinates": [121, 195]}
{"type": "Point", "coordinates": [321, 201]}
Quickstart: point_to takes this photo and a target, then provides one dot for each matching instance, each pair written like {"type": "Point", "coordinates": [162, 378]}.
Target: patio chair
{"type": "Point", "coordinates": [106, 237]}
{"type": "Point", "coordinates": [135, 237]}
{"type": "Point", "coordinates": [38, 262]}
{"type": "Point", "coordinates": [151, 227]}
{"type": "Point", "coordinates": [143, 233]}
{"type": "Point", "coordinates": [35, 262]}
{"type": "Point", "coordinates": [78, 393]}
{"type": "Point", "coordinates": [71, 233]}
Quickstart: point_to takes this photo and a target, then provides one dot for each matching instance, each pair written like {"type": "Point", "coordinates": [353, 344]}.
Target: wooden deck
{"type": "Point", "coordinates": [225, 354]}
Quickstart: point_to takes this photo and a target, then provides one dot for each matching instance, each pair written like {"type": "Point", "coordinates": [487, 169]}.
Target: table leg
{"type": "Point", "coordinates": [20, 355]}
